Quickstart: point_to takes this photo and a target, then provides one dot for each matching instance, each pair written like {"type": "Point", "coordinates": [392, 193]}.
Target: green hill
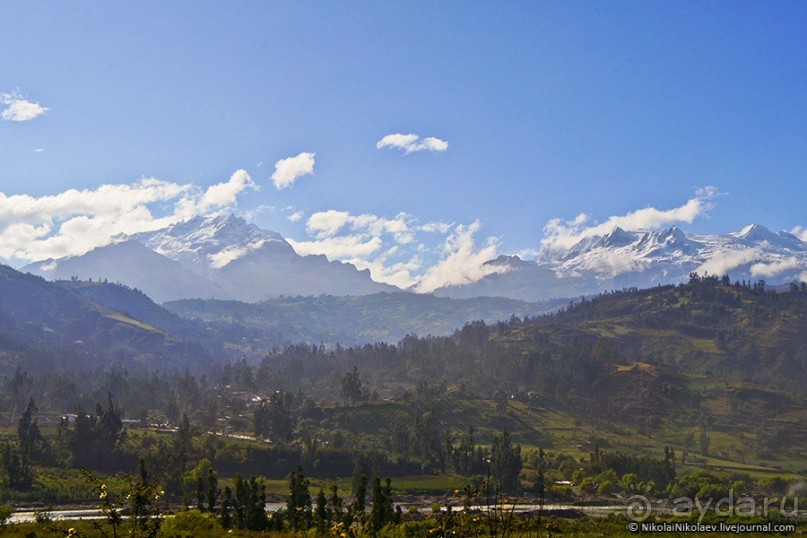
{"type": "Point", "coordinates": [45, 327]}
{"type": "Point", "coordinates": [351, 320]}
{"type": "Point", "coordinates": [634, 370]}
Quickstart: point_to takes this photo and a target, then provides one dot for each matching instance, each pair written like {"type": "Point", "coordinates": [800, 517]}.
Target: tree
{"type": "Point", "coordinates": [12, 469]}
{"type": "Point", "coordinates": [202, 482]}
{"type": "Point", "coordinates": [249, 504]}
{"type": "Point", "coordinates": [335, 504]}
{"type": "Point", "coordinates": [17, 462]}
{"type": "Point", "coordinates": [94, 439]}
{"type": "Point", "coordinates": [703, 441]}
{"type": "Point", "coordinates": [273, 418]}
{"type": "Point", "coordinates": [505, 462]}
{"type": "Point", "coordinates": [360, 496]}
{"type": "Point", "coordinates": [353, 389]}
{"type": "Point", "coordinates": [321, 512]}
{"type": "Point", "coordinates": [213, 490]}
{"type": "Point", "coordinates": [382, 511]}
{"type": "Point", "coordinates": [226, 506]}
{"type": "Point", "coordinates": [299, 502]}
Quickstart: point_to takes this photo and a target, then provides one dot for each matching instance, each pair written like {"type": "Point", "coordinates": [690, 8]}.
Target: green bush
{"type": "Point", "coordinates": [560, 491]}
{"type": "Point", "coordinates": [5, 512]}
{"type": "Point", "coordinates": [606, 488]}
{"type": "Point", "coordinates": [190, 524]}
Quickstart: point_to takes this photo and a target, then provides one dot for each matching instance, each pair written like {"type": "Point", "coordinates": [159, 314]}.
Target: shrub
{"type": "Point", "coordinates": [190, 524]}
{"type": "Point", "coordinates": [5, 512]}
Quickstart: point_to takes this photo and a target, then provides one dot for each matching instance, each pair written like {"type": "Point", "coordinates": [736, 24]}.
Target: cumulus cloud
{"type": "Point", "coordinates": [216, 196]}
{"type": "Point", "coordinates": [229, 254]}
{"type": "Point", "coordinates": [800, 232]}
{"type": "Point", "coordinates": [462, 261]}
{"type": "Point", "coordinates": [722, 262]}
{"type": "Point", "coordinates": [297, 215]}
{"type": "Point", "coordinates": [75, 221]}
{"type": "Point", "coordinates": [387, 247]}
{"type": "Point", "coordinates": [326, 223]}
{"type": "Point", "coordinates": [767, 270]}
{"type": "Point", "coordinates": [288, 170]}
{"type": "Point", "coordinates": [562, 235]}
{"type": "Point", "coordinates": [411, 143]}
{"type": "Point", "coordinates": [339, 248]}
{"type": "Point", "coordinates": [20, 109]}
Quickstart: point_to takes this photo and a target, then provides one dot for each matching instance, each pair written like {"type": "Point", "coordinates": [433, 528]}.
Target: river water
{"type": "Point", "coordinates": [57, 514]}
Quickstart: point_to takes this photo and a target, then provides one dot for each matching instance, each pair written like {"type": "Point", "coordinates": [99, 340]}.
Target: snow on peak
{"type": "Point", "coordinates": [211, 242]}
{"type": "Point", "coordinates": [753, 231]}
{"type": "Point", "coordinates": [657, 255]}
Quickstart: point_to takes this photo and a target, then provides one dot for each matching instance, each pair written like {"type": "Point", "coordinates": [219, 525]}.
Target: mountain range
{"type": "Point", "coordinates": [224, 257]}
{"type": "Point", "coordinates": [220, 257]}
{"type": "Point", "coordinates": [642, 259]}
{"type": "Point", "coordinates": [73, 325]}
{"type": "Point", "coordinates": [46, 326]}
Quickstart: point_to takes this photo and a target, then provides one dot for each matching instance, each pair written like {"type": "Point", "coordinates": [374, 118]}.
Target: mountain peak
{"type": "Point", "coordinates": [753, 231]}
{"type": "Point", "coordinates": [672, 234]}
{"type": "Point", "coordinates": [617, 238]}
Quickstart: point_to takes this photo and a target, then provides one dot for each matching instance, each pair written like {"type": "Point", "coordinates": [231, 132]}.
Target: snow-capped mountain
{"type": "Point", "coordinates": [205, 245]}
{"type": "Point", "coordinates": [219, 257]}
{"type": "Point", "coordinates": [642, 259]}
{"type": "Point", "coordinates": [224, 257]}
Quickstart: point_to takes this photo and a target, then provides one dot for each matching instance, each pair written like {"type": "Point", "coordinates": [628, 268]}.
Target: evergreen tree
{"type": "Point", "coordinates": [505, 462]}
{"type": "Point", "coordinates": [335, 511]}
{"type": "Point", "coordinates": [322, 516]}
{"type": "Point", "coordinates": [213, 490]}
{"type": "Point", "coordinates": [299, 502]}
{"type": "Point", "coordinates": [382, 511]}
{"type": "Point", "coordinates": [226, 506]}
{"type": "Point", "coordinates": [360, 497]}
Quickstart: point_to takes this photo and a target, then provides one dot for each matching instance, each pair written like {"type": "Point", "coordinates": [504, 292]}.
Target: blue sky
{"type": "Point", "coordinates": [538, 111]}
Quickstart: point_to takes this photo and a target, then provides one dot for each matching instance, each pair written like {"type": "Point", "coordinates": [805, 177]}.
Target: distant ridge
{"type": "Point", "coordinates": [642, 259]}
{"type": "Point", "coordinates": [219, 257]}
{"type": "Point", "coordinates": [224, 257]}
{"type": "Point", "coordinates": [45, 326]}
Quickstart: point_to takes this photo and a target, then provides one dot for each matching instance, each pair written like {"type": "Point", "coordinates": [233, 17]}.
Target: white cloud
{"type": "Point", "coordinates": [722, 263]}
{"type": "Point", "coordinates": [20, 109]}
{"type": "Point", "coordinates": [39, 150]}
{"type": "Point", "coordinates": [297, 215]}
{"type": "Point", "coordinates": [562, 235]}
{"type": "Point", "coordinates": [800, 232]}
{"type": "Point", "coordinates": [411, 143]}
{"type": "Point", "coordinates": [767, 270]}
{"type": "Point", "coordinates": [326, 223]}
{"type": "Point", "coordinates": [229, 254]}
{"type": "Point", "coordinates": [288, 170]}
{"type": "Point", "coordinates": [387, 247]}
{"type": "Point", "coordinates": [339, 248]}
{"type": "Point", "coordinates": [398, 273]}
{"type": "Point", "coordinates": [527, 253]}
{"type": "Point", "coordinates": [462, 262]}
{"type": "Point", "coordinates": [75, 221]}
{"type": "Point", "coordinates": [216, 196]}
